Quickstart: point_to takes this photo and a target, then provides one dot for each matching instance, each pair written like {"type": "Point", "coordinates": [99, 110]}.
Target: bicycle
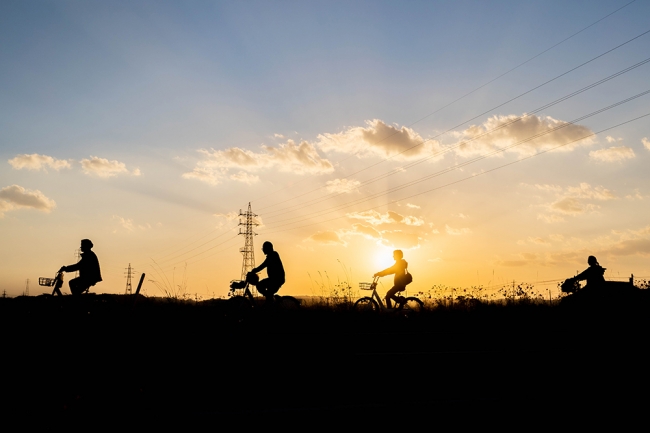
{"type": "Point", "coordinates": [56, 282]}
{"type": "Point", "coordinates": [374, 303]}
{"type": "Point", "coordinates": [247, 301]}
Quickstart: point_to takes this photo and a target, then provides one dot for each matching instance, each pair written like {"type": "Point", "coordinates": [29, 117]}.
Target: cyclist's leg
{"type": "Point", "coordinates": [268, 288]}
{"type": "Point", "coordinates": [78, 286]}
{"type": "Point", "coordinates": [391, 294]}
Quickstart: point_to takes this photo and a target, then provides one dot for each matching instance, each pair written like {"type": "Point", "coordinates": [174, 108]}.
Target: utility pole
{"type": "Point", "coordinates": [248, 262]}
{"type": "Point", "coordinates": [77, 257]}
{"type": "Point", "coordinates": [26, 287]}
{"type": "Point", "coordinates": [129, 273]}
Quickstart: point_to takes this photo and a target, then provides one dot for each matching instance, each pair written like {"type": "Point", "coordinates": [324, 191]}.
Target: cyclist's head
{"type": "Point", "coordinates": [267, 247]}
{"type": "Point", "coordinates": [591, 261]}
{"type": "Point", "coordinates": [86, 244]}
{"type": "Point", "coordinates": [398, 254]}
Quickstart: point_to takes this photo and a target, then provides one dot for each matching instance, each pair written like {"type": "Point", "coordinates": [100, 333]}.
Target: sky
{"type": "Point", "coordinates": [490, 141]}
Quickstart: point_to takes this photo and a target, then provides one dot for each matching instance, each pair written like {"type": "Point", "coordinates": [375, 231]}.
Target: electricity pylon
{"type": "Point", "coordinates": [129, 273]}
{"type": "Point", "coordinates": [77, 257]}
{"type": "Point", "coordinates": [247, 251]}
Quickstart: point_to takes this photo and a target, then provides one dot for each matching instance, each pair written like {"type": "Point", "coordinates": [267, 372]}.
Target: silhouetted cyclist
{"type": "Point", "coordinates": [274, 270]}
{"type": "Point", "coordinates": [88, 267]}
{"type": "Point", "coordinates": [594, 274]}
{"type": "Point", "coordinates": [399, 269]}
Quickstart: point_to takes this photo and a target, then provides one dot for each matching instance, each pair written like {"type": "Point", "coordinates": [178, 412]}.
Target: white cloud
{"type": "Point", "coordinates": [646, 142]}
{"type": "Point", "coordinates": [102, 167]}
{"type": "Point", "coordinates": [457, 232]}
{"type": "Point", "coordinates": [636, 196]}
{"type": "Point", "coordinates": [571, 206]}
{"type": "Point", "coordinates": [376, 218]}
{"type": "Point", "coordinates": [412, 206]}
{"type": "Point", "coordinates": [538, 240]}
{"type": "Point", "coordinates": [399, 239]}
{"type": "Point", "coordinates": [326, 238]}
{"type": "Point", "coordinates": [379, 139]}
{"type": "Point", "coordinates": [476, 141]}
{"type": "Point", "coordinates": [613, 154]}
{"type": "Point", "coordinates": [244, 177]}
{"type": "Point", "coordinates": [572, 200]}
{"type": "Point", "coordinates": [611, 139]}
{"type": "Point", "coordinates": [288, 157]}
{"type": "Point", "coordinates": [550, 218]}
{"type": "Point", "coordinates": [16, 197]}
{"type": "Point", "coordinates": [345, 186]}
{"type": "Point", "coordinates": [129, 225]}
{"type": "Point", "coordinates": [35, 161]}
{"type": "Point", "coordinates": [584, 190]}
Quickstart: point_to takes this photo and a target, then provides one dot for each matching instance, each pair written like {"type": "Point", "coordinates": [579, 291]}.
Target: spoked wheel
{"type": "Point", "coordinates": [413, 306]}
{"type": "Point", "coordinates": [366, 304]}
{"type": "Point", "coordinates": [287, 303]}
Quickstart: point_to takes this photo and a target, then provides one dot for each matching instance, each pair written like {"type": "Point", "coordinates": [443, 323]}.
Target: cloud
{"type": "Point", "coordinates": [327, 238]}
{"type": "Point", "coordinates": [572, 200]}
{"type": "Point", "coordinates": [288, 157]}
{"type": "Point", "coordinates": [129, 225]}
{"type": "Point", "coordinates": [244, 177]}
{"type": "Point", "coordinates": [37, 162]}
{"type": "Point", "coordinates": [457, 232]}
{"type": "Point", "coordinates": [379, 139]}
{"type": "Point", "coordinates": [102, 167]}
{"type": "Point", "coordinates": [476, 141]}
{"type": "Point", "coordinates": [636, 196]}
{"type": "Point", "coordinates": [376, 218]}
{"type": "Point", "coordinates": [399, 239]}
{"type": "Point", "coordinates": [412, 206]}
{"type": "Point", "coordinates": [345, 186]}
{"type": "Point", "coordinates": [364, 230]}
{"type": "Point", "coordinates": [646, 142]}
{"type": "Point", "coordinates": [584, 190]}
{"type": "Point", "coordinates": [611, 139]}
{"type": "Point", "coordinates": [538, 240]}
{"type": "Point", "coordinates": [550, 218]}
{"type": "Point", "coordinates": [16, 197]}
{"type": "Point", "coordinates": [613, 154]}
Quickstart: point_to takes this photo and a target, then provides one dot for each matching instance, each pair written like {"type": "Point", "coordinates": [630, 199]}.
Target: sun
{"type": "Point", "coordinates": [383, 258]}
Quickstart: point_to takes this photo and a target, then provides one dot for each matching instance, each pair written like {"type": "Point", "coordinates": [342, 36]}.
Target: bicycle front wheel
{"type": "Point", "coordinates": [366, 304]}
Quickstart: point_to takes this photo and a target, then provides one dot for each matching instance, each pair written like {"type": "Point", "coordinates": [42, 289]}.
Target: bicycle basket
{"type": "Point", "coordinates": [236, 284]}
{"type": "Point", "coordinates": [42, 281]}
{"type": "Point", "coordinates": [365, 286]}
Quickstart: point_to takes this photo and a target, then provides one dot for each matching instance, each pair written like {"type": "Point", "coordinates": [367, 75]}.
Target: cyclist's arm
{"type": "Point", "coordinates": [260, 267]}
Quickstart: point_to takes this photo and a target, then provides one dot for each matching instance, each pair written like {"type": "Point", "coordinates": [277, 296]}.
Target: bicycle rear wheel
{"type": "Point", "coordinates": [413, 305]}
{"type": "Point", "coordinates": [366, 304]}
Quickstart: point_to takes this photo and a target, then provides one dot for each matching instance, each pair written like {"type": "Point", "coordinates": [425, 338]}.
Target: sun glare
{"type": "Point", "coordinates": [383, 258]}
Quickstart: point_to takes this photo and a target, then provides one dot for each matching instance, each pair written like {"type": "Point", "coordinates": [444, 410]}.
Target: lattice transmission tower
{"type": "Point", "coordinates": [247, 251]}
{"type": "Point", "coordinates": [129, 273]}
{"type": "Point", "coordinates": [77, 257]}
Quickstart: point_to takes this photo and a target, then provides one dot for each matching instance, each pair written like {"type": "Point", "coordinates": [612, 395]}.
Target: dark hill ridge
{"type": "Point", "coordinates": [102, 355]}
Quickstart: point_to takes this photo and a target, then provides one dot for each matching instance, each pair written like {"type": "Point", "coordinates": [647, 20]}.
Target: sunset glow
{"type": "Point", "coordinates": [489, 141]}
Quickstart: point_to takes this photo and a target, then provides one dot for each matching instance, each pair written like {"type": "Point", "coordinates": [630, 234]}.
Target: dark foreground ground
{"type": "Point", "coordinates": [101, 357]}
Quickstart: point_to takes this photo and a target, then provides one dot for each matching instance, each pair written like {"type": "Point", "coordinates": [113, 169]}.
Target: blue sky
{"type": "Point", "coordinates": [139, 97]}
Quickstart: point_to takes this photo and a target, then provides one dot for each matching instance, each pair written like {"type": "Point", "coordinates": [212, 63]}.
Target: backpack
{"type": "Point", "coordinates": [405, 279]}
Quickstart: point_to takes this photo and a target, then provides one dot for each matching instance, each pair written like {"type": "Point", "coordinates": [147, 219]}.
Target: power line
{"type": "Point", "coordinates": [473, 176]}
{"type": "Point", "coordinates": [450, 148]}
{"type": "Point", "coordinates": [473, 118]}
{"type": "Point", "coordinates": [463, 164]}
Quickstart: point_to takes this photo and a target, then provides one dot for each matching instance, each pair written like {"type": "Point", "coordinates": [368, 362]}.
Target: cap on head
{"type": "Point", "coordinates": [591, 261]}
{"type": "Point", "coordinates": [398, 253]}
{"type": "Point", "coordinates": [267, 247]}
{"type": "Point", "coordinates": [86, 243]}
